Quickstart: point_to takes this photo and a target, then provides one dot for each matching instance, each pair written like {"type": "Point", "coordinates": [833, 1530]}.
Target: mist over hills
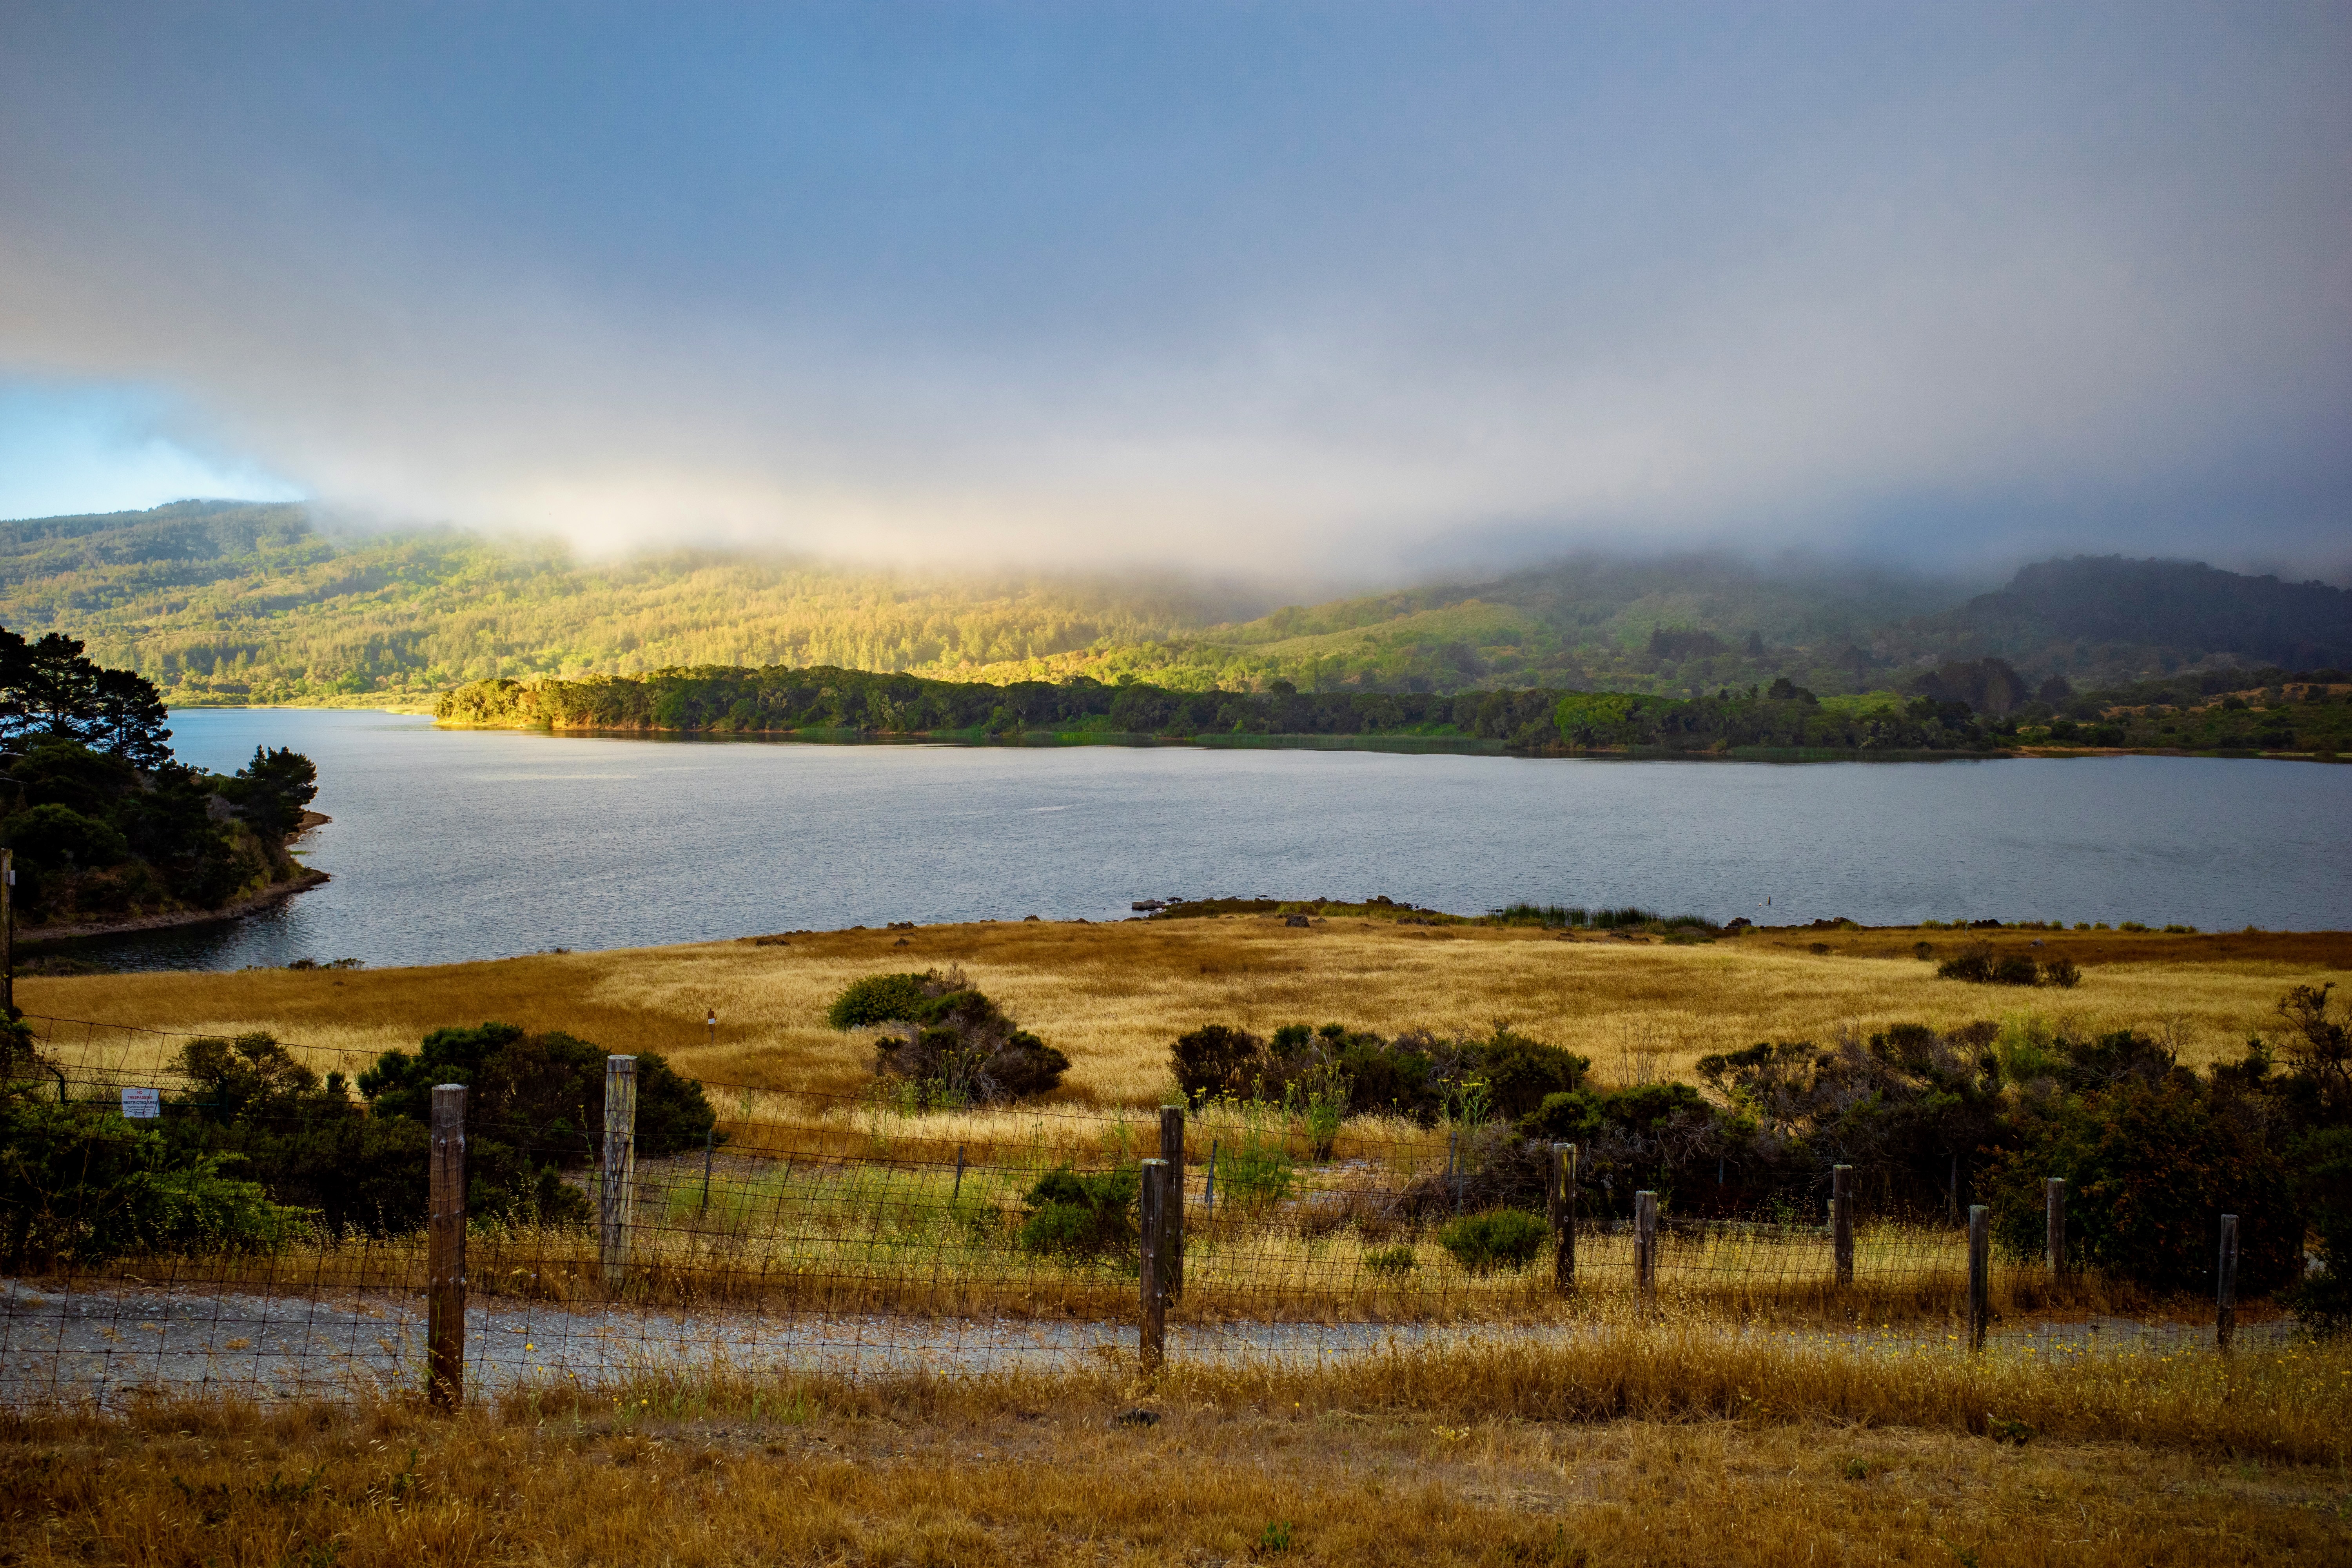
{"type": "Point", "coordinates": [234, 602]}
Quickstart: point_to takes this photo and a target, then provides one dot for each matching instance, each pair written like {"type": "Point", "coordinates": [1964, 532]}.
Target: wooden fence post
{"type": "Point", "coordinates": [1151, 1335]}
{"type": "Point", "coordinates": [1842, 1222]}
{"type": "Point", "coordinates": [2225, 1304]}
{"type": "Point", "coordinates": [8, 929]}
{"type": "Point", "coordinates": [444, 1251]}
{"type": "Point", "coordinates": [1563, 1216]}
{"type": "Point", "coordinates": [2053, 1220]}
{"type": "Point", "coordinates": [1646, 1242]}
{"type": "Point", "coordinates": [1209, 1189]}
{"type": "Point", "coordinates": [957, 1196]}
{"type": "Point", "coordinates": [1980, 1274]}
{"type": "Point", "coordinates": [1171, 1149]}
{"type": "Point", "coordinates": [618, 1189]}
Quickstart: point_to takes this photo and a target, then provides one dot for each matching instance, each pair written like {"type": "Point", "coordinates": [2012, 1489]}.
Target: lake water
{"type": "Point", "coordinates": [466, 844]}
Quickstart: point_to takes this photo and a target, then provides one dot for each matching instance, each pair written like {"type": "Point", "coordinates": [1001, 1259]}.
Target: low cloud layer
{"type": "Point", "coordinates": [1346, 288]}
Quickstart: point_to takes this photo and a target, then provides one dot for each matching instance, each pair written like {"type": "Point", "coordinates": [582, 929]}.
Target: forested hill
{"type": "Point", "coordinates": [2137, 618]}
{"type": "Point", "coordinates": [229, 601]}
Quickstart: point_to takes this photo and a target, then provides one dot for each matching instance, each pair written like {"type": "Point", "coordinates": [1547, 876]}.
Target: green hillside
{"type": "Point", "coordinates": [224, 602]}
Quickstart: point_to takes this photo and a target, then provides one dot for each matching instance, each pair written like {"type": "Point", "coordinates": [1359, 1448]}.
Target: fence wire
{"type": "Point", "coordinates": [861, 1236]}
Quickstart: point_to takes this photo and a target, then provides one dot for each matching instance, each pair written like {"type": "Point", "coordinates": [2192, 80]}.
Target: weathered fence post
{"type": "Point", "coordinates": [1171, 1149]}
{"type": "Point", "coordinates": [1151, 1336]}
{"type": "Point", "coordinates": [2225, 1304]}
{"type": "Point", "coordinates": [8, 929]}
{"type": "Point", "coordinates": [1209, 1189]}
{"type": "Point", "coordinates": [958, 1195]}
{"type": "Point", "coordinates": [2053, 1220]}
{"type": "Point", "coordinates": [1646, 1242]}
{"type": "Point", "coordinates": [1980, 1274]}
{"type": "Point", "coordinates": [618, 1189]}
{"type": "Point", "coordinates": [1842, 1222]}
{"type": "Point", "coordinates": [709, 1145]}
{"type": "Point", "coordinates": [1563, 1216]}
{"type": "Point", "coordinates": [444, 1251]}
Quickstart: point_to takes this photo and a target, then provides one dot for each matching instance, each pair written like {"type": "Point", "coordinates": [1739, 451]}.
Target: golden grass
{"type": "Point", "coordinates": [1647, 1447]}
{"type": "Point", "coordinates": [1113, 997]}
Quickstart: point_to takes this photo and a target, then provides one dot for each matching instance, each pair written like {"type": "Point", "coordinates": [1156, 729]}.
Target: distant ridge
{"type": "Point", "coordinates": [2108, 617]}
{"type": "Point", "coordinates": [238, 602]}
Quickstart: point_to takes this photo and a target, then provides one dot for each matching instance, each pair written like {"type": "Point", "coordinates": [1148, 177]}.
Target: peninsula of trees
{"type": "Point", "coordinates": [1965, 706]}
{"type": "Point", "coordinates": [107, 828]}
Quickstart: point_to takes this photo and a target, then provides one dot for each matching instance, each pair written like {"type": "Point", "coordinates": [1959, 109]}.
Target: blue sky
{"type": "Point", "coordinates": [1348, 289]}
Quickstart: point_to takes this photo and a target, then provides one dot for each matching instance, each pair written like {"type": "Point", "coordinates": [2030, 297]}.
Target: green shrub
{"type": "Point", "coordinates": [306, 1142]}
{"type": "Point", "coordinates": [1972, 963]}
{"type": "Point", "coordinates": [1256, 1175]}
{"type": "Point", "coordinates": [80, 1186]}
{"type": "Point", "coordinates": [1393, 1262]}
{"type": "Point", "coordinates": [2061, 972]}
{"type": "Point", "coordinates": [1485, 1243]}
{"type": "Point", "coordinates": [959, 1048]}
{"type": "Point", "coordinates": [534, 1109]}
{"type": "Point", "coordinates": [2322, 1162]}
{"type": "Point", "coordinates": [1520, 1072]}
{"type": "Point", "coordinates": [2150, 1163]}
{"type": "Point", "coordinates": [1215, 1060]}
{"type": "Point", "coordinates": [877, 999]}
{"type": "Point", "coordinates": [1082, 1217]}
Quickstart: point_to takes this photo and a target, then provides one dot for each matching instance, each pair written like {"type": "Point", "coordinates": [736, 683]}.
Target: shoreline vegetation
{"type": "Point", "coordinates": [110, 832]}
{"type": "Point", "coordinates": [1978, 709]}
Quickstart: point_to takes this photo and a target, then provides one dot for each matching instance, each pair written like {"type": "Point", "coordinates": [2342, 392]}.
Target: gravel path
{"type": "Point", "coordinates": [105, 1347]}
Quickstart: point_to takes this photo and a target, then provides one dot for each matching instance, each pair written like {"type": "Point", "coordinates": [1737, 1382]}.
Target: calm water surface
{"type": "Point", "coordinates": [458, 844]}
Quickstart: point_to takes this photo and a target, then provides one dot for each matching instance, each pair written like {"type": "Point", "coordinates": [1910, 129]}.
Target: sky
{"type": "Point", "coordinates": [1349, 289]}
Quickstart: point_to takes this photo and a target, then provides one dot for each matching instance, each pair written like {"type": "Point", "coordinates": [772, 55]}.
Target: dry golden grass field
{"type": "Point", "coordinates": [1112, 996]}
{"type": "Point", "coordinates": [1623, 1453]}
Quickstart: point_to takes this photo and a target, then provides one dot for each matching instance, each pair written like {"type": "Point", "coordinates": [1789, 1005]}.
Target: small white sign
{"type": "Point", "coordinates": [143, 1103]}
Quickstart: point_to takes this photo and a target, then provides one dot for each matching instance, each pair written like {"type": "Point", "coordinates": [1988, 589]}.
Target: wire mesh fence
{"type": "Point", "coordinates": [857, 1234]}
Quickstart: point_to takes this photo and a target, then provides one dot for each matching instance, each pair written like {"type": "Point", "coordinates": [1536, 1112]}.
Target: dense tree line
{"type": "Point", "coordinates": [1966, 706]}
{"type": "Point", "coordinates": [775, 701]}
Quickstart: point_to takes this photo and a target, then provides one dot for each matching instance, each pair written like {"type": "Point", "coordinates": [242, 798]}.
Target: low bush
{"type": "Point", "coordinates": [307, 1141]}
{"type": "Point", "coordinates": [1215, 1060]}
{"type": "Point", "coordinates": [1392, 1262]}
{"type": "Point", "coordinates": [80, 1185]}
{"type": "Point", "coordinates": [877, 999]}
{"type": "Point", "coordinates": [1486, 1242]}
{"type": "Point", "coordinates": [1256, 1175]}
{"type": "Point", "coordinates": [956, 1046]}
{"type": "Point", "coordinates": [1416, 1074]}
{"type": "Point", "coordinates": [534, 1110]}
{"type": "Point", "coordinates": [1979, 964]}
{"type": "Point", "coordinates": [2152, 1160]}
{"type": "Point", "coordinates": [1078, 1217]}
